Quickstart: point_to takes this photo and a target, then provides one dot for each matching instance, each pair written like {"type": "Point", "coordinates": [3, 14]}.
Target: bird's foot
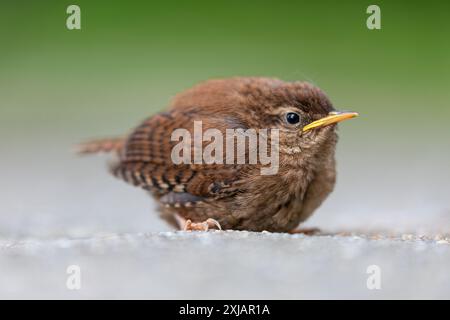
{"type": "Point", "coordinates": [306, 231]}
{"type": "Point", "coordinates": [202, 226]}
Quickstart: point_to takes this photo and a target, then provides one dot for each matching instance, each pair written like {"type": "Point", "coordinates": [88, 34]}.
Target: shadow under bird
{"type": "Point", "coordinates": [235, 195]}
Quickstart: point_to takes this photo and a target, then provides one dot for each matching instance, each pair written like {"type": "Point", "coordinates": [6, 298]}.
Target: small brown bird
{"type": "Point", "coordinates": [235, 195]}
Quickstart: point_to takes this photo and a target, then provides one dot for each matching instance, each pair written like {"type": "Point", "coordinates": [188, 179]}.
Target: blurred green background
{"type": "Point", "coordinates": [59, 86]}
{"type": "Point", "coordinates": [130, 57]}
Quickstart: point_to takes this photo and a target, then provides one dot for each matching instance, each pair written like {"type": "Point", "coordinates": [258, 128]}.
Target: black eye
{"type": "Point", "coordinates": [292, 118]}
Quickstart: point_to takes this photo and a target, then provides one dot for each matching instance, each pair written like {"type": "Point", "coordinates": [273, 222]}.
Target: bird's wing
{"type": "Point", "coordinates": [146, 162]}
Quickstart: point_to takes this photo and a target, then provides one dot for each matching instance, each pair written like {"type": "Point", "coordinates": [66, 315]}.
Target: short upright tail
{"type": "Point", "coordinates": [100, 145]}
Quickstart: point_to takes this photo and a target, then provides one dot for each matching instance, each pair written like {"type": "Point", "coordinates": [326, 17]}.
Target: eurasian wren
{"type": "Point", "coordinates": [235, 195]}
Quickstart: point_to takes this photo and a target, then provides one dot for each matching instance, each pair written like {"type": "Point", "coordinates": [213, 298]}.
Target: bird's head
{"type": "Point", "coordinates": [302, 112]}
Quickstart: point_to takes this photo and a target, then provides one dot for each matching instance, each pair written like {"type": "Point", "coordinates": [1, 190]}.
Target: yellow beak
{"type": "Point", "coordinates": [333, 117]}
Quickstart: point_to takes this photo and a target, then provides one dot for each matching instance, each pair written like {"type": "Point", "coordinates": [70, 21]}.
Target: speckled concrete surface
{"type": "Point", "coordinates": [225, 265]}
{"type": "Point", "coordinates": [63, 210]}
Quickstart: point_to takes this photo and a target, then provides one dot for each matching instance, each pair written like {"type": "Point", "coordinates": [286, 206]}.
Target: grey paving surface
{"type": "Point", "coordinates": [225, 265]}
{"type": "Point", "coordinates": [58, 210]}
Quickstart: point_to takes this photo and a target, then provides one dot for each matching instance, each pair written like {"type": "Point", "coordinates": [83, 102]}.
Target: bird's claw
{"type": "Point", "coordinates": [202, 226]}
